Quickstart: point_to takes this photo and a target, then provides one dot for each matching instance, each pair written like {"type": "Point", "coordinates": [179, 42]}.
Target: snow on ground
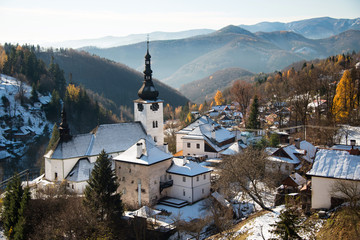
{"type": "Point", "coordinates": [347, 133]}
{"type": "Point", "coordinates": [186, 213]}
{"type": "Point", "coordinates": [260, 226]}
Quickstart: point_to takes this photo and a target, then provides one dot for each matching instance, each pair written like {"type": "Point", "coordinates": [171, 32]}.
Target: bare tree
{"type": "Point", "coordinates": [242, 92]}
{"type": "Point", "coordinates": [348, 190]}
{"type": "Point", "coordinates": [194, 227]}
{"type": "Point", "coordinates": [245, 172]}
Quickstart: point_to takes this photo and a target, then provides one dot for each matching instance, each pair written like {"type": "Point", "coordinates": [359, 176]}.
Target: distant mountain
{"type": "Point", "coordinates": [315, 28]}
{"type": "Point", "coordinates": [205, 89]}
{"type": "Point", "coordinates": [109, 79]}
{"type": "Point", "coordinates": [112, 41]}
{"type": "Point", "coordinates": [177, 62]}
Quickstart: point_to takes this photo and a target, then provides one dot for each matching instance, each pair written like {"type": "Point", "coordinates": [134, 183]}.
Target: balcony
{"type": "Point", "coordinates": [166, 184]}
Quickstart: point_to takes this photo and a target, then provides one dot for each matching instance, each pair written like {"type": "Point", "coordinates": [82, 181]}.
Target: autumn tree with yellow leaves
{"type": "Point", "coordinates": [345, 98]}
{"type": "Point", "coordinates": [219, 99]}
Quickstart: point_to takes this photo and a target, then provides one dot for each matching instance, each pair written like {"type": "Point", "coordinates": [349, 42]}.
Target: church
{"type": "Point", "coordinates": [145, 169]}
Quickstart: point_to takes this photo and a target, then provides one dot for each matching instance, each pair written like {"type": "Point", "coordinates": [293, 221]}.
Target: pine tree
{"type": "Point", "coordinates": [288, 226]}
{"type": "Point", "coordinates": [253, 122]}
{"type": "Point", "coordinates": [34, 95]}
{"type": "Point", "coordinates": [15, 204]}
{"type": "Point", "coordinates": [54, 138]}
{"type": "Point", "coordinates": [21, 229]}
{"type": "Point", "coordinates": [100, 194]}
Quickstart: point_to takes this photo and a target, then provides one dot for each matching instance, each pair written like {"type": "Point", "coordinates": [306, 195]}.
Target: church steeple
{"type": "Point", "coordinates": [64, 128]}
{"type": "Point", "coordinates": [147, 90]}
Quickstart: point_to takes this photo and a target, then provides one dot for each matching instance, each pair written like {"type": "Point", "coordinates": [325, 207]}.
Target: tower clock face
{"type": "Point", "coordinates": [140, 107]}
{"type": "Point", "coordinates": [154, 107]}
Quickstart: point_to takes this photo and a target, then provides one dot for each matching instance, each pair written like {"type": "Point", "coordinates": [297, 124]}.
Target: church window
{"type": "Point", "coordinates": [197, 178]}
{"type": "Point", "coordinates": [170, 177]}
{"type": "Point", "coordinates": [198, 145]}
{"type": "Point", "coordinates": [56, 176]}
{"type": "Point", "coordinates": [140, 107]}
{"type": "Point", "coordinates": [155, 124]}
{"type": "Point", "coordinates": [154, 107]}
{"type": "Point", "coordinates": [202, 190]}
{"type": "Point", "coordinates": [204, 176]}
{"type": "Point", "coordinates": [155, 140]}
{"type": "Point", "coordinates": [188, 145]}
{"type": "Point", "coordinates": [183, 192]}
{"type": "Point", "coordinates": [184, 179]}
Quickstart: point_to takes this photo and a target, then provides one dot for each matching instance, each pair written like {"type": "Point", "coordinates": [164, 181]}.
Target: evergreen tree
{"type": "Point", "coordinates": [34, 95]}
{"type": "Point", "coordinates": [100, 194]}
{"type": "Point", "coordinates": [288, 226]}
{"type": "Point", "coordinates": [21, 229]}
{"type": "Point", "coordinates": [274, 140]}
{"type": "Point", "coordinates": [15, 204]}
{"type": "Point", "coordinates": [54, 138]}
{"type": "Point", "coordinates": [253, 121]}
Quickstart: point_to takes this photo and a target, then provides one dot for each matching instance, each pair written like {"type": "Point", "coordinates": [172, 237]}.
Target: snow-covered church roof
{"type": "Point", "coordinates": [81, 171]}
{"type": "Point", "coordinates": [110, 137]}
{"type": "Point", "coordinates": [143, 152]}
{"type": "Point", "coordinates": [336, 164]}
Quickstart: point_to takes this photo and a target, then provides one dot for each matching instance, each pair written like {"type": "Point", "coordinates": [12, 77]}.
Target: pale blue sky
{"type": "Point", "coordinates": [37, 21]}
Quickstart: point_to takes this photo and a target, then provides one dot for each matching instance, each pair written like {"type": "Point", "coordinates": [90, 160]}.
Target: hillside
{"type": "Point", "coordinates": [21, 126]}
{"type": "Point", "coordinates": [109, 79]}
{"type": "Point", "coordinates": [205, 88]}
{"type": "Point", "coordinates": [177, 62]}
{"type": "Point", "coordinates": [314, 28]}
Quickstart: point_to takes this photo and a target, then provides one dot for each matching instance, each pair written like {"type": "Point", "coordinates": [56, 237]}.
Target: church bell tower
{"type": "Point", "coordinates": [148, 109]}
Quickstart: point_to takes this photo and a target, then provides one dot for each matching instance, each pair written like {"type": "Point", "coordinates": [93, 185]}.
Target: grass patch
{"type": "Point", "coordinates": [343, 224]}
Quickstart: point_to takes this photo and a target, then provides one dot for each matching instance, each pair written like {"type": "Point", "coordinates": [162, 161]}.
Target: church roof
{"type": "Point", "coordinates": [110, 137]}
{"type": "Point", "coordinates": [150, 153]}
{"type": "Point", "coordinates": [81, 171]}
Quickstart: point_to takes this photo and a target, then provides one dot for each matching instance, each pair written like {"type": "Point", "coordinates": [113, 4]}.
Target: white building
{"type": "Point", "coordinates": [140, 157]}
{"type": "Point", "coordinates": [203, 137]}
{"type": "Point", "coordinates": [329, 167]}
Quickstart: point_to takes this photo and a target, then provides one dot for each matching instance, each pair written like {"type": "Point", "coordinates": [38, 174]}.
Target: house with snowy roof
{"type": "Point", "coordinates": [329, 167]}
{"type": "Point", "coordinates": [203, 137]}
{"type": "Point", "coordinates": [140, 158]}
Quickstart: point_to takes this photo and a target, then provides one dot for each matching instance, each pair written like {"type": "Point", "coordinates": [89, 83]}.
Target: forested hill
{"type": "Point", "coordinates": [114, 81]}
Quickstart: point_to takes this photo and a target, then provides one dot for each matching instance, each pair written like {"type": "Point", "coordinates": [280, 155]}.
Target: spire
{"type": "Point", "coordinates": [147, 90]}
{"type": "Point", "coordinates": [64, 128]}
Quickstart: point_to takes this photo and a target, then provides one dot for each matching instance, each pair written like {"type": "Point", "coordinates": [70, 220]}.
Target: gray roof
{"type": "Point", "coordinates": [110, 137]}
{"type": "Point", "coordinates": [81, 171]}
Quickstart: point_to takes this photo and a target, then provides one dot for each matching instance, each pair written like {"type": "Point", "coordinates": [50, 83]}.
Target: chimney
{"type": "Point", "coordinates": [352, 143]}
{"type": "Point", "coordinates": [297, 143]}
{"type": "Point", "coordinates": [166, 147]}
{"type": "Point", "coordinates": [139, 150]}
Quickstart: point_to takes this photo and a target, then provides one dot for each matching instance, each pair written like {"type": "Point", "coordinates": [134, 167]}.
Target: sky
{"type": "Point", "coordinates": [37, 21]}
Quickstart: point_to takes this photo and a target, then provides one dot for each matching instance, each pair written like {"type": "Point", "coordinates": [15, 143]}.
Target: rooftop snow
{"type": "Point", "coordinates": [150, 154]}
{"type": "Point", "coordinates": [81, 171]}
{"type": "Point", "coordinates": [336, 164]}
{"type": "Point", "coordinates": [186, 167]}
{"type": "Point", "coordinates": [110, 137]}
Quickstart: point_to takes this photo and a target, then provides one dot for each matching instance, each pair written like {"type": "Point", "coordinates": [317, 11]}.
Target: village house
{"type": "Point", "coordinates": [145, 169]}
{"type": "Point", "coordinates": [331, 166]}
{"type": "Point", "coordinates": [203, 137]}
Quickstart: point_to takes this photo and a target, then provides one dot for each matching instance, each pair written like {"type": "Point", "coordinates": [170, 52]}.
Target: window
{"type": "Point", "coordinates": [155, 140]}
{"type": "Point", "coordinates": [170, 177]}
{"type": "Point", "coordinates": [188, 145]}
{"type": "Point", "coordinates": [56, 176]}
{"type": "Point", "coordinates": [123, 179]}
{"type": "Point", "coordinates": [198, 145]}
{"type": "Point", "coordinates": [183, 192]}
{"type": "Point", "coordinates": [202, 190]}
{"type": "Point", "coordinates": [72, 186]}
{"type": "Point", "coordinates": [197, 178]}
{"type": "Point", "coordinates": [129, 170]}
{"type": "Point", "coordinates": [184, 179]}
{"type": "Point", "coordinates": [155, 124]}
{"type": "Point", "coordinates": [204, 176]}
